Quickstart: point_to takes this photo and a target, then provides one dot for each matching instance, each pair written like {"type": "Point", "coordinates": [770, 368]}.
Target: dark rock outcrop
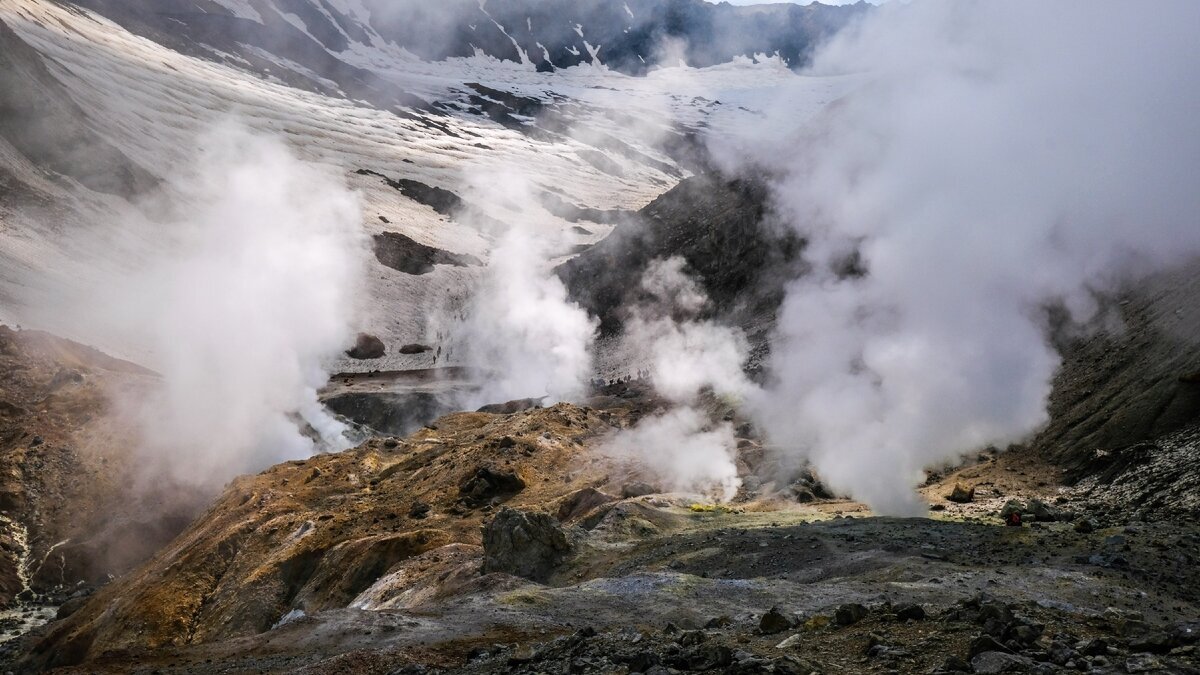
{"type": "Point", "coordinates": [388, 412]}
{"type": "Point", "coordinates": [366, 347]}
{"type": "Point", "coordinates": [439, 199]}
{"type": "Point", "coordinates": [524, 544]}
{"type": "Point", "coordinates": [510, 407]}
{"type": "Point", "coordinates": [487, 483]}
{"type": "Point", "coordinates": [775, 621]}
{"type": "Point", "coordinates": [404, 254]}
{"type": "Point", "coordinates": [721, 228]}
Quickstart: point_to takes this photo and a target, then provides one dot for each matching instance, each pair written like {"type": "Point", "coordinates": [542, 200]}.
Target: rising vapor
{"type": "Point", "coordinates": [241, 314]}
{"type": "Point", "coordinates": [999, 156]}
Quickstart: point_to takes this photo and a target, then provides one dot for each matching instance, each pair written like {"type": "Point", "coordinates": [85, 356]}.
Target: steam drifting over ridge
{"type": "Point", "coordinates": [999, 157]}
{"type": "Point", "coordinates": [241, 313]}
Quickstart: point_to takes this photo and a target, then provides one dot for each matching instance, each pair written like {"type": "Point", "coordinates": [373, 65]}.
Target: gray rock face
{"type": "Point", "coordinates": [524, 544]}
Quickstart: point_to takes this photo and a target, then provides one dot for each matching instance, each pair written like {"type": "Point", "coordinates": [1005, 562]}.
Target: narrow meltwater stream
{"type": "Point", "coordinates": [28, 610]}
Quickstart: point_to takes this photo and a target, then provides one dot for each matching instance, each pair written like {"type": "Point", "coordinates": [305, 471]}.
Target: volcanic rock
{"type": "Point", "coordinates": [366, 347]}
{"type": "Point", "coordinates": [487, 483]}
{"type": "Point", "coordinates": [510, 407]}
{"type": "Point", "coordinates": [961, 494]}
{"type": "Point", "coordinates": [524, 544]}
{"type": "Point", "coordinates": [849, 614]}
{"type": "Point", "coordinates": [1045, 513]}
{"type": "Point", "coordinates": [638, 489]}
{"type": "Point", "coordinates": [1012, 506]}
{"type": "Point", "coordinates": [992, 663]}
{"type": "Point", "coordinates": [407, 255]}
{"type": "Point", "coordinates": [774, 621]}
{"type": "Point", "coordinates": [581, 502]}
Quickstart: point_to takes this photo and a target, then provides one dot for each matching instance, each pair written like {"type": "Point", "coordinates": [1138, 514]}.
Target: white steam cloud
{"type": "Point", "coordinates": [256, 292]}
{"type": "Point", "coordinates": [519, 323]}
{"type": "Point", "coordinates": [685, 356]}
{"type": "Point", "coordinates": [1000, 155]}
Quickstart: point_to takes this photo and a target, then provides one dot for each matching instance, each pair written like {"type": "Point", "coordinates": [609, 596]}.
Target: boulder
{"type": "Point", "coordinates": [1010, 507]}
{"type": "Point", "coordinates": [525, 544]}
{"type": "Point", "coordinates": [1013, 513]}
{"type": "Point", "coordinates": [487, 483]}
{"type": "Point", "coordinates": [1045, 513]}
{"type": "Point", "coordinates": [910, 612]}
{"type": "Point", "coordinates": [961, 494]}
{"type": "Point", "coordinates": [774, 621]}
{"type": "Point", "coordinates": [366, 347]}
{"type": "Point", "coordinates": [849, 614]}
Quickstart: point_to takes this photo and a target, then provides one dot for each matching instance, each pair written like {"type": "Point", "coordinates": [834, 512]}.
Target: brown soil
{"type": "Point", "coordinates": [70, 515]}
{"type": "Point", "coordinates": [370, 561]}
{"type": "Point", "coordinates": [314, 534]}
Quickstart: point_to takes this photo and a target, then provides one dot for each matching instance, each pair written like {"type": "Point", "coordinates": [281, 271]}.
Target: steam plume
{"type": "Point", "coordinates": [685, 356]}
{"type": "Point", "coordinates": [520, 324]}
{"type": "Point", "coordinates": [1000, 155]}
{"type": "Point", "coordinates": [241, 313]}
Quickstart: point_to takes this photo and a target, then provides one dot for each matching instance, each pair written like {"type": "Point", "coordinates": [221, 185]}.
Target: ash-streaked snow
{"type": "Point", "coordinates": [153, 103]}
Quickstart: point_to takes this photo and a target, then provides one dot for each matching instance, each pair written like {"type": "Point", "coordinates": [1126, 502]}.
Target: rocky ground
{"type": "Point", "coordinates": [496, 542]}
{"type": "Point", "coordinates": [502, 541]}
{"type": "Point", "coordinates": [73, 511]}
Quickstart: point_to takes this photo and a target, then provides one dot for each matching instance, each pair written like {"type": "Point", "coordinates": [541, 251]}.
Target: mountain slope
{"type": "Point", "coordinates": [592, 142]}
{"type": "Point", "coordinates": [336, 40]}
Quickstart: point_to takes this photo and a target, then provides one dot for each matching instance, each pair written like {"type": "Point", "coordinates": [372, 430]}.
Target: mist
{"type": "Point", "coordinates": [254, 293]}
{"type": "Point", "coordinates": [519, 324]}
{"type": "Point", "coordinates": [683, 357]}
{"type": "Point", "coordinates": [999, 157]}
